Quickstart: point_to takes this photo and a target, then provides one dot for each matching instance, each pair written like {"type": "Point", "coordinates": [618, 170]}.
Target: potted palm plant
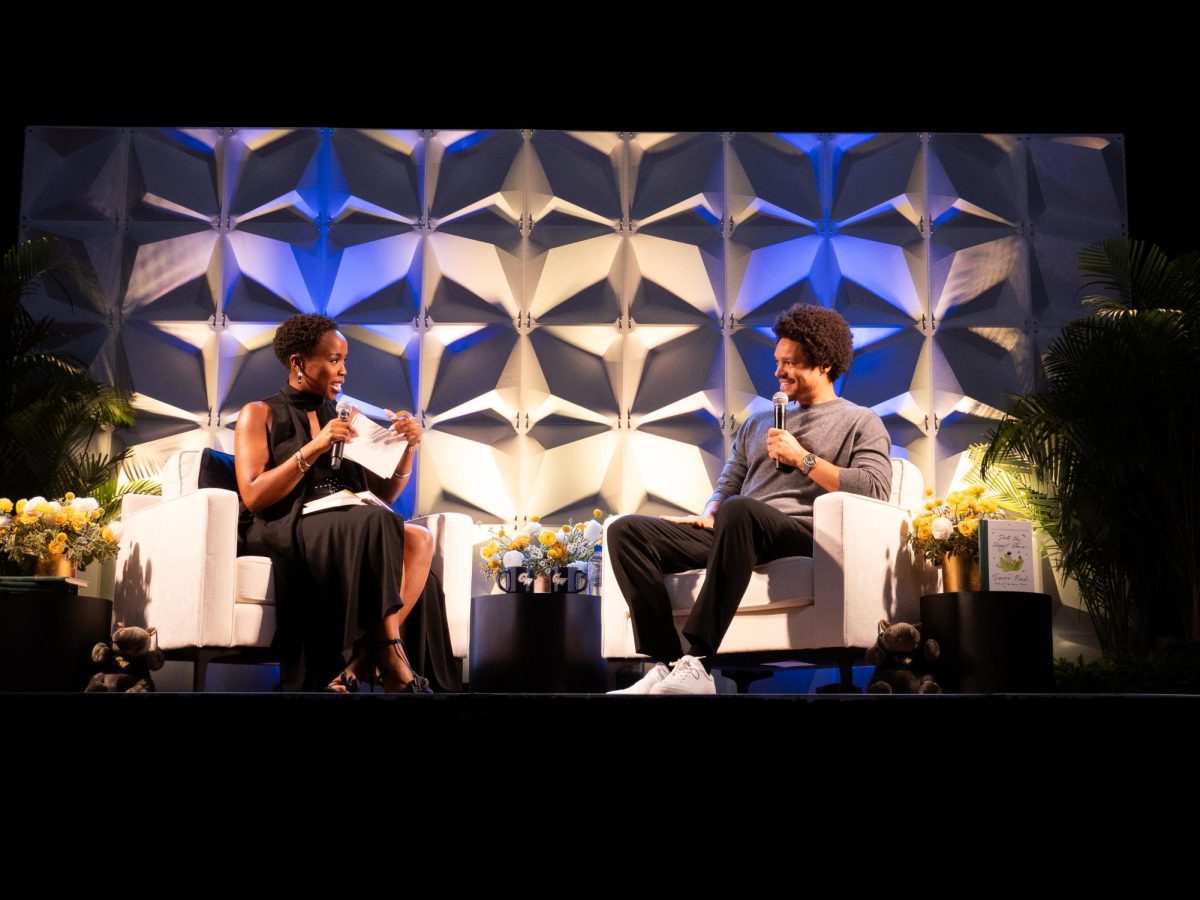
{"type": "Point", "coordinates": [51, 414]}
{"type": "Point", "coordinates": [1111, 443]}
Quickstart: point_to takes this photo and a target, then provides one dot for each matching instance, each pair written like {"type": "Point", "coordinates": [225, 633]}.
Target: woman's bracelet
{"type": "Point", "coordinates": [301, 464]}
{"type": "Point", "coordinates": [401, 474]}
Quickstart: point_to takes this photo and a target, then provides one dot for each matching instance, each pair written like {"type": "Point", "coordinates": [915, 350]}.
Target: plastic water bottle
{"type": "Point", "coordinates": [596, 570]}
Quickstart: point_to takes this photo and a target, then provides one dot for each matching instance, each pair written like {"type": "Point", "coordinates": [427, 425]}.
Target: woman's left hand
{"type": "Point", "coordinates": [405, 424]}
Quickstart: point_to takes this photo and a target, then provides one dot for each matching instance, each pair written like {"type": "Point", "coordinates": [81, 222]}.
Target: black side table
{"type": "Point", "coordinates": [536, 643]}
{"type": "Point", "coordinates": [991, 641]}
{"type": "Point", "coordinates": [46, 638]}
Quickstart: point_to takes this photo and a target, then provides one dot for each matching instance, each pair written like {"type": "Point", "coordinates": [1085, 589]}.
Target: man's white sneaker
{"type": "Point", "coordinates": [647, 681]}
{"type": "Point", "coordinates": [687, 677]}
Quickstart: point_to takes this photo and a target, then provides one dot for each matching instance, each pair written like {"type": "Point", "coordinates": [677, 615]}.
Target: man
{"type": "Point", "coordinates": [759, 511]}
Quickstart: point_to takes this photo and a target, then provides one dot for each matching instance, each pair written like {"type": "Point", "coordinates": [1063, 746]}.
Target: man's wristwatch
{"type": "Point", "coordinates": [809, 462]}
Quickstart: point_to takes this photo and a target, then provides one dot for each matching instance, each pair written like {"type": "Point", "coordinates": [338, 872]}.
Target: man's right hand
{"type": "Point", "coordinates": [699, 521]}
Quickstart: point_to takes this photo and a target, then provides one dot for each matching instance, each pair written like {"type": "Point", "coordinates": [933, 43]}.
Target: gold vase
{"type": "Point", "coordinates": [55, 565]}
{"type": "Point", "coordinates": [959, 573]}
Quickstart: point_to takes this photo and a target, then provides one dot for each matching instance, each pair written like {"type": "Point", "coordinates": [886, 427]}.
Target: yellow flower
{"type": "Point", "coordinates": [520, 542]}
{"type": "Point", "coordinates": [20, 507]}
{"type": "Point", "coordinates": [107, 533]}
{"type": "Point", "coordinates": [978, 490]}
{"type": "Point", "coordinates": [580, 526]}
{"type": "Point", "coordinates": [597, 514]}
{"type": "Point", "coordinates": [968, 527]}
{"type": "Point", "coordinates": [61, 537]}
{"type": "Point", "coordinates": [924, 532]}
{"type": "Point", "coordinates": [501, 532]}
{"type": "Point", "coordinates": [96, 513]}
{"type": "Point", "coordinates": [557, 552]}
{"type": "Point", "coordinates": [547, 538]}
{"type": "Point", "coordinates": [69, 496]}
{"type": "Point", "coordinates": [929, 506]}
{"type": "Point", "coordinates": [60, 517]}
{"type": "Point", "coordinates": [493, 564]}
{"type": "Point", "coordinates": [489, 550]}
{"type": "Point", "coordinates": [989, 506]}
{"type": "Point", "coordinates": [938, 502]}
{"type": "Point", "coordinates": [6, 506]}
{"type": "Point", "coordinates": [566, 529]}
{"type": "Point", "coordinates": [535, 518]}
{"type": "Point", "coordinates": [928, 492]}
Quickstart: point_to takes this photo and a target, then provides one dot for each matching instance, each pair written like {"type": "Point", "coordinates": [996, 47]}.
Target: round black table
{"type": "Point", "coordinates": [536, 643]}
{"type": "Point", "coordinates": [991, 641]}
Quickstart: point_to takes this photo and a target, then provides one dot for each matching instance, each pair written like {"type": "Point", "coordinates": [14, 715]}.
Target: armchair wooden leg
{"type": "Point", "coordinates": [200, 669]}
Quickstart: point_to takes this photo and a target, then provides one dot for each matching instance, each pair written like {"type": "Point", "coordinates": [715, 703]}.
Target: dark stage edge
{"type": "Point", "coordinates": [995, 747]}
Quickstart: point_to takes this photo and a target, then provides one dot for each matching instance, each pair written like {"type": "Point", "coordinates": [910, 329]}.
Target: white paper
{"type": "Point", "coordinates": [342, 498]}
{"type": "Point", "coordinates": [375, 448]}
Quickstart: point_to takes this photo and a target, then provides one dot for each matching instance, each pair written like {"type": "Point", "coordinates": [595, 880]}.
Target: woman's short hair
{"type": "Point", "coordinates": [300, 334]}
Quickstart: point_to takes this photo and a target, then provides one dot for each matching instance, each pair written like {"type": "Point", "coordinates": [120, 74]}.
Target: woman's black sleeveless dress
{"type": "Point", "coordinates": [337, 572]}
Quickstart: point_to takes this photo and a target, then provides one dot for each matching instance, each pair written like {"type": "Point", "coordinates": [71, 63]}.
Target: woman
{"type": "Point", "coordinates": [347, 578]}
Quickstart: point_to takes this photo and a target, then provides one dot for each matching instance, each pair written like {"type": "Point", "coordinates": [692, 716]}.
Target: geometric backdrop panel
{"type": "Point", "coordinates": [580, 318]}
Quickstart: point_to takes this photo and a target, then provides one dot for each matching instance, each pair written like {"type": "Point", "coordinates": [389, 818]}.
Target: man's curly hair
{"type": "Point", "coordinates": [301, 334]}
{"type": "Point", "coordinates": [822, 334]}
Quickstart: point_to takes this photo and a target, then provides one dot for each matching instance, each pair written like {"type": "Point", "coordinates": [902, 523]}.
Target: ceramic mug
{"type": "Point", "coordinates": [567, 580]}
{"type": "Point", "coordinates": [515, 579]}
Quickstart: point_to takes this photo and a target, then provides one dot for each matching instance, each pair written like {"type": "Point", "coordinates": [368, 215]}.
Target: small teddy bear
{"type": "Point", "coordinates": [900, 659]}
{"type": "Point", "coordinates": [126, 666]}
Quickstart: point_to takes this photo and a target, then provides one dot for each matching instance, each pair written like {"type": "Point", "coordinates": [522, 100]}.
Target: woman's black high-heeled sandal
{"type": "Point", "coordinates": [419, 683]}
{"type": "Point", "coordinates": [344, 683]}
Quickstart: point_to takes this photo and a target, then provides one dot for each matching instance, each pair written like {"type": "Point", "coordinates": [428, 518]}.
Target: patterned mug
{"type": "Point", "coordinates": [567, 580]}
{"type": "Point", "coordinates": [515, 579]}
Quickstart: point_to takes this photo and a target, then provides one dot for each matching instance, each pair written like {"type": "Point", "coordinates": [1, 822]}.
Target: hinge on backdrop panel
{"type": "Point", "coordinates": [427, 133]}
{"type": "Point", "coordinates": [926, 422]}
{"type": "Point", "coordinates": [937, 423]}
{"type": "Point", "coordinates": [924, 325]}
{"type": "Point", "coordinates": [727, 226]}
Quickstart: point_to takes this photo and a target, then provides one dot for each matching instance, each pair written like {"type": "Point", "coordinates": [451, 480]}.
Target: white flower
{"type": "Point", "coordinates": [85, 504]}
{"type": "Point", "coordinates": [514, 558]}
{"type": "Point", "coordinates": [34, 502]}
{"type": "Point", "coordinates": [941, 528]}
{"type": "Point", "coordinates": [533, 529]}
{"type": "Point", "coordinates": [5, 520]}
{"type": "Point", "coordinates": [592, 531]}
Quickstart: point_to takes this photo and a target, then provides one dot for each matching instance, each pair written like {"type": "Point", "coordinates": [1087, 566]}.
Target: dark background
{"type": "Point", "coordinates": [1016, 78]}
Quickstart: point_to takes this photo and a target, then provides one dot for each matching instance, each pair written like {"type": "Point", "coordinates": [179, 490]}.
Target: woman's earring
{"type": "Point", "coordinates": [299, 377]}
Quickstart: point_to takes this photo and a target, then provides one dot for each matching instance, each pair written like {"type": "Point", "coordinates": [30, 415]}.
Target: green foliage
{"type": "Point", "coordinates": [1167, 670]}
{"type": "Point", "coordinates": [51, 409]}
{"type": "Point", "coordinates": [1105, 456]}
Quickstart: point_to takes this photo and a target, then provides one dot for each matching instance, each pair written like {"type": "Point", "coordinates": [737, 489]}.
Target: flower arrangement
{"type": "Point", "coordinates": [71, 527]}
{"type": "Point", "coordinates": [540, 546]}
{"type": "Point", "coordinates": [951, 525]}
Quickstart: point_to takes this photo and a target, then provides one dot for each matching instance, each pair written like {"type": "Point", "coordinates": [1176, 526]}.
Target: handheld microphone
{"type": "Point", "coordinates": [339, 447]}
{"type": "Point", "coordinates": [780, 400]}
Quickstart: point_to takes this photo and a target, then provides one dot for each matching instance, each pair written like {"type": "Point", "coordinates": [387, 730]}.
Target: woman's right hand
{"type": "Point", "coordinates": [335, 430]}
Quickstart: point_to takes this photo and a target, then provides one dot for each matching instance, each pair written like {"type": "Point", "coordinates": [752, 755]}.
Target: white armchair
{"type": "Point", "coordinates": [826, 607]}
{"type": "Point", "coordinates": [178, 571]}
